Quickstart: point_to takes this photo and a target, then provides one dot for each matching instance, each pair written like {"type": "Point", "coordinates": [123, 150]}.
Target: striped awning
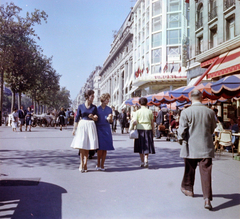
{"type": "Point", "coordinates": [227, 63]}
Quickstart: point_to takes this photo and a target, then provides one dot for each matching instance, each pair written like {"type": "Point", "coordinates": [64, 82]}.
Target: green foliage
{"type": "Point", "coordinates": [26, 70]}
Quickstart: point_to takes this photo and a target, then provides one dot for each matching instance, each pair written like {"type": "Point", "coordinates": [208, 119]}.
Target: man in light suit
{"type": "Point", "coordinates": [196, 126]}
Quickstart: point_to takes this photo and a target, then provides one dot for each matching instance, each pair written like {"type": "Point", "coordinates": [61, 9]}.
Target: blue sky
{"type": "Point", "coordinates": [78, 34]}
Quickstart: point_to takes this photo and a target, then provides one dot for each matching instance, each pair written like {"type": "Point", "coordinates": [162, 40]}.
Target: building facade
{"type": "Point", "coordinates": [92, 83]}
{"type": "Point", "coordinates": [160, 45]}
{"type": "Point", "coordinates": [117, 71]}
{"type": "Point", "coordinates": [215, 33]}
{"type": "Point", "coordinates": [215, 44]}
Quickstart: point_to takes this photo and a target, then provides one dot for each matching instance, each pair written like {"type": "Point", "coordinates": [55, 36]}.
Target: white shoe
{"type": "Point", "coordinates": [98, 168]}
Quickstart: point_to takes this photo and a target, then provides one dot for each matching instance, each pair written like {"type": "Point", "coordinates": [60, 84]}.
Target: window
{"type": "Point", "coordinates": [143, 34]}
{"type": "Point", "coordinates": [174, 20]}
{"type": "Point", "coordinates": [147, 15]}
{"type": "Point", "coordinates": [228, 4]}
{"type": "Point", "coordinates": [230, 28]}
{"type": "Point", "coordinates": [156, 8]}
{"type": "Point", "coordinates": [213, 37]}
{"type": "Point", "coordinates": [156, 55]}
{"type": "Point", "coordinates": [174, 37]}
{"type": "Point", "coordinates": [157, 24]}
{"type": "Point", "coordinates": [173, 53]}
{"type": "Point", "coordinates": [147, 30]}
{"type": "Point", "coordinates": [157, 39]}
{"type": "Point", "coordinates": [174, 5]}
{"type": "Point", "coordinates": [199, 18]}
{"type": "Point", "coordinates": [212, 9]}
{"type": "Point", "coordinates": [199, 45]}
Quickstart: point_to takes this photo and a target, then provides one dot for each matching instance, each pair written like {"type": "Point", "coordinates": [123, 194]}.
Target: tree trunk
{"type": "Point", "coordinates": [13, 101]}
{"type": "Point", "coordinates": [1, 96]}
{"type": "Point", "coordinates": [38, 107]}
{"type": "Point", "coordinates": [19, 100]}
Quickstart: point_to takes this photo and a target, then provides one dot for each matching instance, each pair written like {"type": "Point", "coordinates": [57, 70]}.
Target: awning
{"type": "Point", "coordinates": [227, 63]}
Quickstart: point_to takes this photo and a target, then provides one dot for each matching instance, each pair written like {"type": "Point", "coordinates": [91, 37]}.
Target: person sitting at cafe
{"type": "Point", "coordinates": [235, 129]}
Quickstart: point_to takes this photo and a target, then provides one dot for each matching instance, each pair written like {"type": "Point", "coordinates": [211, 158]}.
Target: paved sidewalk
{"type": "Point", "coordinates": [39, 178]}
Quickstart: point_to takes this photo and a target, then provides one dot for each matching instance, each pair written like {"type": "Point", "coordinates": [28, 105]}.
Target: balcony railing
{"type": "Point", "coordinates": [228, 4]}
{"type": "Point", "coordinates": [212, 14]}
{"type": "Point", "coordinates": [199, 23]}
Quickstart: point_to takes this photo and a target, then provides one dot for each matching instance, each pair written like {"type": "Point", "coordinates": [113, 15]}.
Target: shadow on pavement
{"type": "Point", "coordinates": [29, 198]}
{"type": "Point", "coordinates": [234, 200]}
{"type": "Point", "coordinates": [121, 159]}
{"type": "Point", "coordinates": [126, 160]}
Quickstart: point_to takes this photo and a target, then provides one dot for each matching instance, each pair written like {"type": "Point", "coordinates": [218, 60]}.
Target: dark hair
{"type": "Point", "coordinates": [143, 101]}
{"type": "Point", "coordinates": [88, 93]}
{"type": "Point", "coordinates": [215, 110]}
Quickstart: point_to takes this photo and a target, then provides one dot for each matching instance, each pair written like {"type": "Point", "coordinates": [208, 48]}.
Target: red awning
{"type": "Point", "coordinates": [227, 63]}
{"type": "Point", "coordinates": [208, 62]}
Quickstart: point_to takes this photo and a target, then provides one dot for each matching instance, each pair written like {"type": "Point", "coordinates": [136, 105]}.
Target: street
{"type": "Point", "coordinates": [39, 178]}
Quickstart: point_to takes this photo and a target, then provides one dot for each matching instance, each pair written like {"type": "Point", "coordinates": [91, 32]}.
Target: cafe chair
{"type": "Point", "coordinates": [224, 140]}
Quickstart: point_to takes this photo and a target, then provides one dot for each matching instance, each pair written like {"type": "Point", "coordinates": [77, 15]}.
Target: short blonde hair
{"type": "Point", "coordinates": [104, 97]}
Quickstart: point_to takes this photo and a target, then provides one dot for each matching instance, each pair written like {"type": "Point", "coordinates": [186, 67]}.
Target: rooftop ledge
{"type": "Point", "coordinates": [219, 49]}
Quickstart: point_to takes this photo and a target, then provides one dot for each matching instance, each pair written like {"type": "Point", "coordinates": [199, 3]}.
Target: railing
{"type": "Point", "coordinates": [228, 4]}
{"type": "Point", "coordinates": [212, 14]}
{"type": "Point", "coordinates": [199, 23]}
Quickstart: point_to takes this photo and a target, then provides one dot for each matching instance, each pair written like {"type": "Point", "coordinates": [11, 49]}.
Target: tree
{"type": "Point", "coordinates": [14, 29]}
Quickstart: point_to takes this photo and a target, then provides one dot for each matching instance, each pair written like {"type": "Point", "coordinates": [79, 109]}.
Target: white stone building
{"type": "Point", "coordinates": [117, 71]}
{"type": "Point", "coordinates": [215, 33]}
{"type": "Point", "coordinates": [160, 38]}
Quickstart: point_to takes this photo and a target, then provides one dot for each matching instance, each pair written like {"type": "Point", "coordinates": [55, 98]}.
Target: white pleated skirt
{"type": "Point", "coordinates": [85, 136]}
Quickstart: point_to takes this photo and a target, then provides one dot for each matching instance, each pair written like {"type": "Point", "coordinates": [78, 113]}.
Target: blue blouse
{"type": "Point", "coordinates": [103, 114]}
{"type": "Point", "coordinates": [83, 112]}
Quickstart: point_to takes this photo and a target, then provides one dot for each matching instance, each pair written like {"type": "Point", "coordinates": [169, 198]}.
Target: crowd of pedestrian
{"type": "Point", "coordinates": [21, 117]}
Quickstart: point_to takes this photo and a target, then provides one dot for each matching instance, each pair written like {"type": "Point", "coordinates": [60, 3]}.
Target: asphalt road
{"type": "Point", "coordinates": [39, 178]}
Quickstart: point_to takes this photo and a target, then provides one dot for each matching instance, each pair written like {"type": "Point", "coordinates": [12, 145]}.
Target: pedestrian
{"type": "Point", "coordinates": [123, 120]}
{"type": "Point", "coordinates": [84, 131]}
{"type": "Point", "coordinates": [159, 122]}
{"type": "Point", "coordinates": [61, 116]}
{"type": "Point", "coordinates": [14, 118]}
{"type": "Point", "coordinates": [128, 121]}
{"type": "Point", "coordinates": [135, 108]}
{"type": "Point", "coordinates": [115, 114]}
{"type": "Point", "coordinates": [105, 140]}
{"type": "Point", "coordinates": [55, 117]}
{"type": "Point", "coordinates": [28, 119]}
{"type": "Point", "coordinates": [143, 119]}
{"type": "Point", "coordinates": [67, 117]}
{"type": "Point", "coordinates": [196, 126]}
{"type": "Point", "coordinates": [21, 116]}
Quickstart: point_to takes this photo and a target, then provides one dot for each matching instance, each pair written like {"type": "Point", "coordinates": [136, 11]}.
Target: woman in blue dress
{"type": "Point", "coordinates": [85, 138]}
{"type": "Point", "coordinates": [105, 141]}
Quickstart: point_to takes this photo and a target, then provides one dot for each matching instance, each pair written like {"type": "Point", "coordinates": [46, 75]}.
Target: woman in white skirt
{"type": "Point", "coordinates": [84, 131]}
{"type": "Point", "coordinates": [14, 117]}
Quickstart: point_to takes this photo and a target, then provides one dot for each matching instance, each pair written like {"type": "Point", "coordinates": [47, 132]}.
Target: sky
{"type": "Point", "coordinates": [78, 34]}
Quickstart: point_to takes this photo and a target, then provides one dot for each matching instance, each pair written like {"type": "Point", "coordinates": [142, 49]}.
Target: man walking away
{"type": "Point", "coordinates": [196, 126]}
{"type": "Point", "coordinates": [21, 116]}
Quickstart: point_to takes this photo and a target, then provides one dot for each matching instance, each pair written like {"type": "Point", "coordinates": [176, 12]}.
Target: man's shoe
{"type": "Point", "coordinates": [187, 192]}
{"type": "Point", "coordinates": [207, 204]}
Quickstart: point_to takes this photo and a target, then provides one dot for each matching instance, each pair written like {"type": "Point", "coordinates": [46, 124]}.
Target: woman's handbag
{"type": "Point", "coordinates": [133, 134]}
{"type": "Point", "coordinates": [161, 128]}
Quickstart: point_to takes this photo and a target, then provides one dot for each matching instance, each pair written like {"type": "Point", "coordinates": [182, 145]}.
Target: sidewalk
{"type": "Point", "coordinates": [39, 178]}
